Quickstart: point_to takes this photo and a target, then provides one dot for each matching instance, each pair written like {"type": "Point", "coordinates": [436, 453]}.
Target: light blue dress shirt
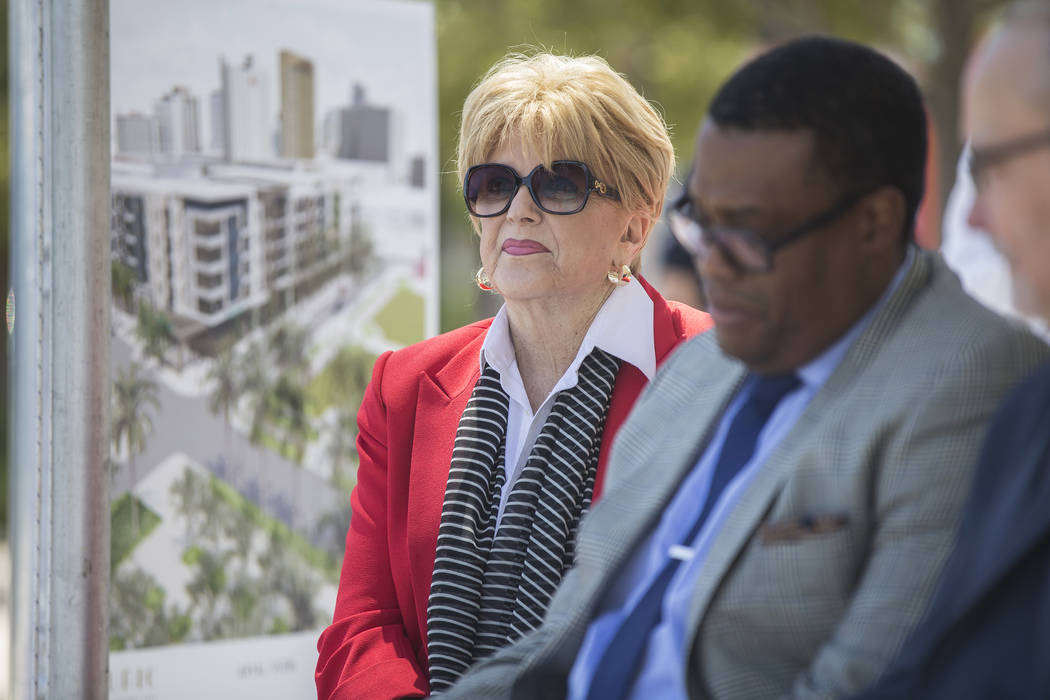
{"type": "Point", "coordinates": [661, 673]}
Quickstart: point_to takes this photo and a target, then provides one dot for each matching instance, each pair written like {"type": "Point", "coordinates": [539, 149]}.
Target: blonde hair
{"type": "Point", "coordinates": [571, 108]}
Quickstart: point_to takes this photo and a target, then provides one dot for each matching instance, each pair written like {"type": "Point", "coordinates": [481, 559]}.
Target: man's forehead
{"type": "Point", "coordinates": [711, 134]}
{"type": "Point", "coordinates": [1012, 84]}
{"type": "Point", "coordinates": [732, 158]}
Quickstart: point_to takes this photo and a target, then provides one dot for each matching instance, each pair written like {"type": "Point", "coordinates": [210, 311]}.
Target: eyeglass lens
{"type": "Point", "coordinates": [739, 247]}
{"type": "Point", "coordinates": [560, 190]}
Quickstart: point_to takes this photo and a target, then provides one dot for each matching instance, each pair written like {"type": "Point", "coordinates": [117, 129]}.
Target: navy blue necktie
{"type": "Point", "coordinates": [617, 668]}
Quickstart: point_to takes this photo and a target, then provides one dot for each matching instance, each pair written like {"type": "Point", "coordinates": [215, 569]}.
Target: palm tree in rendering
{"type": "Point", "coordinates": [289, 346]}
{"type": "Point", "coordinates": [224, 375]}
{"type": "Point", "coordinates": [132, 392]}
{"type": "Point", "coordinates": [155, 332]}
{"type": "Point", "coordinates": [254, 384]}
{"type": "Point", "coordinates": [342, 447]}
{"type": "Point", "coordinates": [284, 403]}
{"type": "Point", "coordinates": [291, 426]}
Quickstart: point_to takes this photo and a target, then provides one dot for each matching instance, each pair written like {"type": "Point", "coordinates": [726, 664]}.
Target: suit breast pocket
{"type": "Point", "coordinates": [810, 556]}
{"type": "Point", "coordinates": [791, 587]}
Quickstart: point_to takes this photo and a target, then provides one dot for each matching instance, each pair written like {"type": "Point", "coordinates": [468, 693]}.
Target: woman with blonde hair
{"type": "Point", "coordinates": [482, 448]}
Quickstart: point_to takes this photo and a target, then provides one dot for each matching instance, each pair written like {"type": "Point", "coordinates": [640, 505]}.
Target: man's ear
{"type": "Point", "coordinates": [884, 210]}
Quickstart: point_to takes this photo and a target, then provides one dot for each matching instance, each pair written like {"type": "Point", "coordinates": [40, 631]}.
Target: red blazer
{"type": "Point", "coordinates": [376, 647]}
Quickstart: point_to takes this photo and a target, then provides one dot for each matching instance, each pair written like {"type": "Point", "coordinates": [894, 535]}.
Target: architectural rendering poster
{"type": "Point", "coordinates": [274, 228]}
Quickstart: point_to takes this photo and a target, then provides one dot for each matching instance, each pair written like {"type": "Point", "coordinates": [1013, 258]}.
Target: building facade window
{"type": "Point", "coordinates": [209, 306]}
{"type": "Point", "coordinates": [207, 255]}
{"type": "Point", "coordinates": [205, 281]}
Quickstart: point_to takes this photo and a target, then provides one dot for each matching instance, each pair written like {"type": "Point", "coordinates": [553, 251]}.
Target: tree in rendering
{"type": "Point", "coordinates": [133, 393]}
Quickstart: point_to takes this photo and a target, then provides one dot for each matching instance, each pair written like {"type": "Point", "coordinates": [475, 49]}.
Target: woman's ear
{"type": "Point", "coordinates": [635, 234]}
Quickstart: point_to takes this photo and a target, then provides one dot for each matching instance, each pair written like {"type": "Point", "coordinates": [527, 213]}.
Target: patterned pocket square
{"type": "Point", "coordinates": [797, 528]}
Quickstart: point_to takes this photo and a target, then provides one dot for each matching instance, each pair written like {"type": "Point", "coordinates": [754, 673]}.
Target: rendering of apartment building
{"type": "Point", "coordinates": [297, 106]}
{"type": "Point", "coordinates": [136, 135]}
{"type": "Point", "coordinates": [247, 131]}
{"type": "Point", "coordinates": [221, 240]}
{"type": "Point", "coordinates": [211, 233]}
{"type": "Point", "coordinates": [178, 123]}
{"type": "Point", "coordinates": [364, 130]}
{"type": "Point", "coordinates": [304, 218]}
{"type": "Point", "coordinates": [194, 245]}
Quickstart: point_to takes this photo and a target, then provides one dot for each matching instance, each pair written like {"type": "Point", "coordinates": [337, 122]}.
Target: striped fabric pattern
{"type": "Point", "coordinates": [475, 480]}
{"type": "Point", "coordinates": [490, 587]}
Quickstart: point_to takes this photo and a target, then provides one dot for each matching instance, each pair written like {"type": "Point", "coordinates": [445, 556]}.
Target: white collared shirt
{"type": "Point", "coordinates": [622, 327]}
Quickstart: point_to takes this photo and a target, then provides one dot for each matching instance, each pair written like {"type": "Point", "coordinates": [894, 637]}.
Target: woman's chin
{"type": "Point", "coordinates": [522, 285]}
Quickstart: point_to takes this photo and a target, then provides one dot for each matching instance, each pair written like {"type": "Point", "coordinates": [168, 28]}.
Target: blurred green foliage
{"type": "Point", "coordinates": [676, 52]}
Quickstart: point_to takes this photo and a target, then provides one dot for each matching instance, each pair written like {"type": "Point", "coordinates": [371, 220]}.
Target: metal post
{"type": "Point", "coordinates": [59, 347]}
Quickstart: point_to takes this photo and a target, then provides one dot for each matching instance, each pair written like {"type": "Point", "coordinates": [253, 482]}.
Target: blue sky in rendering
{"type": "Point", "coordinates": [385, 45]}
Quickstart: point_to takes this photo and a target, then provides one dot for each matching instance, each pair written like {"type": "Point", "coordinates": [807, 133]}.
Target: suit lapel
{"type": "Point", "coordinates": [692, 393]}
{"type": "Point", "coordinates": [439, 405]}
{"type": "Point", "coordinates": [754, 502]}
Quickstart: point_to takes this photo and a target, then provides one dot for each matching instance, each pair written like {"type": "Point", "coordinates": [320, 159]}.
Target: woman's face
{"type": "Point", "coordinates": [529, 254]}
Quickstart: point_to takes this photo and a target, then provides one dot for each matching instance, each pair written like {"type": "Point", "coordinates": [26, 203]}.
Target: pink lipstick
{"type": "Point", "coordinates": [513, 246]}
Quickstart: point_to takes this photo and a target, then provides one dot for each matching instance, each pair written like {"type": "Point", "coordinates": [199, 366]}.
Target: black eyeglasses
{"type": "Point", "coordinates": [489, 188]}
{"type": "Point", "coordinates": [984, 158]}
{"type": "Point", "coordinates": [742, 248]}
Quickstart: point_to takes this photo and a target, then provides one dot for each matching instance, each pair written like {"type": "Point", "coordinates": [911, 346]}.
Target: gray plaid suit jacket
{"type": "Point", "coordinates": [829, 557]}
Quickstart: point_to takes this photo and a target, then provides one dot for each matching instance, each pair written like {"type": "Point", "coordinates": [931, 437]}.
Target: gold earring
{"type": "Point", "coordinates": [619, 278]}
{"type": "Point", "coordinates": [482, 280]}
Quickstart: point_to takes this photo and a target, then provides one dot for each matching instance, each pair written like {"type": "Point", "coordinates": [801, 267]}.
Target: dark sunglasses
{"type": "Point", "coordinates": [489, 188]}
{"type": "Point", "coordinates": [984, 158]}
{"type": "Point", "coordinates": [742, 248]}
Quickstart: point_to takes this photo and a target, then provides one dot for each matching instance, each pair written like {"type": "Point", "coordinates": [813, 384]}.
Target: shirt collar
{"type": "Point", "coordinates": [816, 372]}
{"type": "Point", "coordinates": [622, 327]}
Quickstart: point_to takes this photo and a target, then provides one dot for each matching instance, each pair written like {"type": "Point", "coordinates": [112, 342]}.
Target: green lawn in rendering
{"type": "Point", "coordinates": [123, 538]}
{"type": "Point", "coordinates": [402, 318]}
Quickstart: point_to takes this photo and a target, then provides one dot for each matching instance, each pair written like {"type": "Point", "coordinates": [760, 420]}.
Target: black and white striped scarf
{"type": "Point", "coordinates": [490, 587]}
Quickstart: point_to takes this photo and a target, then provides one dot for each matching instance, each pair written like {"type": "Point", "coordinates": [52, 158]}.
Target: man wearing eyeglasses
{"type": "Point", "coordinates": [783, 496]}
{"type": "Point", "coordinates": [987, 631]}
